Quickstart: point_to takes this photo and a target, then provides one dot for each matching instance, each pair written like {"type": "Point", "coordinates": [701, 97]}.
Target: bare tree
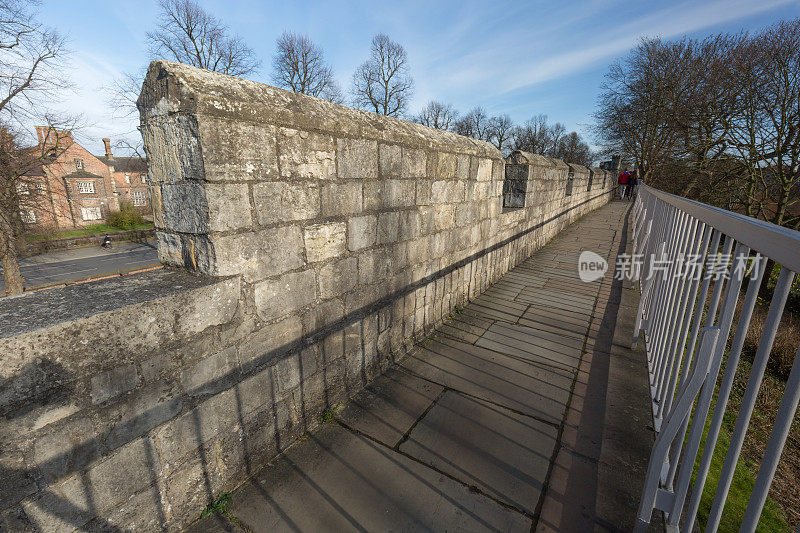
{"type": "Point", "coordinates": [572, 149]}
{"type": "Point", "coordinates": [383, 82]}
{"type": "Point", "coordinates": [437, 115]}
{"type": "Point", "coordinates": [532, 136]}
{"type": "Point", "coordinates": [634, 116]}
{"type": "Point", "coordinates": [474, 124]}
{"type": "Point", "coordinates": [299, 65]}
{"type": "Point", "coordinates": [499, 131]}
{"type": "Point", "coordinates": [188, 34]}
{"type": "Point", "coordinates": [31, 64]}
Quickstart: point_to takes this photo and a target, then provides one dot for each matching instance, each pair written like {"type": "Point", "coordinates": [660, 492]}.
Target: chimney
{"type": "Point", "coordinates": [107, 142]}
{"type": "Point", "coordinates": [48, 135]}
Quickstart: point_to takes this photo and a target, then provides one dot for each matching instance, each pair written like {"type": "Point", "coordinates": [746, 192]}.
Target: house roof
{"type": "Point", "coordinates": [82, 174]}
{"type": "Point", "coordinates": [125, 164]}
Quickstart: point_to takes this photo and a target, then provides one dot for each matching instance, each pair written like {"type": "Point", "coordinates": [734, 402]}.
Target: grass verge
{"type": "Point", "coordinates": [93, 229]}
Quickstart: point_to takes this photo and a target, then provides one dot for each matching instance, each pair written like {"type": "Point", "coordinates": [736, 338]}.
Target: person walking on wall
{"type": "Point", "coordinates": [633, 181]}
{"type": "Point", "coordinates": [623, 180]}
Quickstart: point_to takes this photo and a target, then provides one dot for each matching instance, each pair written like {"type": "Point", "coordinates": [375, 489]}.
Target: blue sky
{"type": "Point", "coordinates": [520, 58]}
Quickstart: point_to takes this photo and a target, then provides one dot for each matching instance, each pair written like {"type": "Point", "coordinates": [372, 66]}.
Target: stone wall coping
{"type": "Point", "coordinates": [36, 310]}
{"type": "Point", "coordinates": [184, 89]}
{"type": "Point", "coordinates": [519, 157]}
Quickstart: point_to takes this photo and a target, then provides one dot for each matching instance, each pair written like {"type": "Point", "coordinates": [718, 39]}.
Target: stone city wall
{"type": "Point", "coordinates": [322, 242]}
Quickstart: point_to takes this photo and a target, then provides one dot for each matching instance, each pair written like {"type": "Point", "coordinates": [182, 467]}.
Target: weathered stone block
{"type": "Point", "coordinates": [444, 216]}
{"type": "Point", "coordinates": [113, 382]}
{"type": "Point", "coordinates": [185, 207]}
{"type": "Point", "coordinates": [484, 170]}
{"type": "Point", "coordinates": [323, 314]}
{"type": "Point", "coordinates": [281, 201]}
{"type": "Point", "coordinates": [269, 341]}
{"type": "Point", "coordinates": [170, 249]}
{"type": "Point", "coordinates": [357, 158]}
{"type": "Point", "coordinates": [66, 449]}
{"type": "Point", "coordinates": [373, 195]}
{"type": "Point", "coordinates": [446, 166]}
{"type": "Point", "coordinates": [211, 374]}
{"type": "Point", "coordinates": [414, 163]}
{"type": "Point", "coordinates": [259, 254]}
{"type": "Point", "coordinates": [151, 407]}
{"type": "Point", "coordinates": [374, 266]}
{"type": "Point", "coordinates": [333, 346]}
{"type": "Point", "coordinates": [388, 226]}
{"type": "Point", "coordinates": [399, 193]}
{"type": "Point", "coordinates": [324, 241]}
{"type": "Point", "coordinates": [418, 250]}
{"type": "Point", "coordinates": [123, 473]}
{"type": "Point", "coordinates": [285, 295]}
{"type": "Point", "coordinates": [423, 191]}
{"type": "Point", "coordinates": [209, 306]}
{"type": "Point", "coordinates": [237, 150]}
{"type": "Point", "coordinates": [189, 431]}
{"type": "Point", "coordinates": [341, 198]}
{"type": "Point", "coordinates": [66, 508]}
{"type": "Point", "coordinates": [256, 391]}
{"type": "Point", "coordinates": [305, 154]}
{"type": "Point", "coordinates": [291, 370]}
{"type": "Point", "coordinates": [338, 277]}
{"type": "Point", "coordinates": [390, 158]}
{"type": "Point", "coordinates": [361, 232]}
{"type": "Point", "coordinates": [228, 206]}
{"type": "Point", "coordinates": [462, 166]}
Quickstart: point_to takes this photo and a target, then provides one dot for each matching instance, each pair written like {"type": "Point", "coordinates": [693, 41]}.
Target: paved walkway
{"type": "Point", "coordinates": [524, 413]}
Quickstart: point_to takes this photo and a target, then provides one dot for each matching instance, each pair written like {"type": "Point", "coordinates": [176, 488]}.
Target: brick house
{"type": "Point", "coordinates": [130, 178]}
{"type": "Point", "coordinates": [70, 188]}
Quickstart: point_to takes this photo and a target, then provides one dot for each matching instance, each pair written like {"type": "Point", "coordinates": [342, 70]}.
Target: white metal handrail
{"type": "Point", "coordinates": [686, 245]}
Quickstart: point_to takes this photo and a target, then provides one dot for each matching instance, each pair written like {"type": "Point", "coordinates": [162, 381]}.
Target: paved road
{"type": "Point", "coordinates": [83, 263]}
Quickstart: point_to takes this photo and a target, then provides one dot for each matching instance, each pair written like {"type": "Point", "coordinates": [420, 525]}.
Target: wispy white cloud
{"type": "Point", "coordinates": [670, 22]}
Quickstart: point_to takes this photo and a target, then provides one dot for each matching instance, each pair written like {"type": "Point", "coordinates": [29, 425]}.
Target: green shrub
{"type": "Point", "coordinates": [127, 217]}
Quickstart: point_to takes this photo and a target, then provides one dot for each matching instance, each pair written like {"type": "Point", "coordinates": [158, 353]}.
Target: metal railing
{"type": "Point", "coordinates": [689, 249]}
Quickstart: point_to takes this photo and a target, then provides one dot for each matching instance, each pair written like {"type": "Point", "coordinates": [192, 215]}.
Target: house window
{"type": "Point", "coordinates": [79, 164]}
{"type": "Point", "coordinates": [86, 187]}
{"type": "Point", "coordinates": [127, 178]}
{"type": "Point", "coordinates": [28, 216]}
{"type": "Point", "coordinates": [144, 179]}
{"type": "Point", "coordinates": [22, 188]}
{"type": "Point", "coordinates": [570, 180]}
{"type": "Point", "coordinates": [91, 213]}
{"type": "Point", "coordinates": [138, 198]}
{"type": "Point", "coordinates": [514, 186]}
{"type": "Point", "coordinates": [40, 187]}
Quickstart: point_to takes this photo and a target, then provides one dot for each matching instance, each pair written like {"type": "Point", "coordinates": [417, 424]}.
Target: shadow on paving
{"type": "Point", "coordinates": [525, 412]}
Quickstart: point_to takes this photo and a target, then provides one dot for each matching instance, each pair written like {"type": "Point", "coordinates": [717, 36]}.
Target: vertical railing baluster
{"type": "Point", "coordinates": [673, 354]}
{"type": "Point", "coordinates": [669, 326]}
{"type": "Point", "coordinates": [725, 323]}
{"type": "Point", "coordinates": [700, 412]}
{"type": "Point", "coordinates": [725, 388]}
{"type": "Point", "coordinates": [777, 440]}
{"type": "Point", "coordinates": [759, 366]}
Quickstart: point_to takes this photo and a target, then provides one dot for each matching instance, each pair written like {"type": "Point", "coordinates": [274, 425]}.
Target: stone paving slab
{"type": "Point", "coordinates": [527, 343]}
{"type": "Point", "coordinates": [537, 391]}
{"type": "Point", "coordinates": [503, 453]}
{"type": "Point", "coordinates": [524, 411]}
{"type": "Point", "coordinates": [388, 407]}
{"type": "Point", "coordinates": [336, 480]}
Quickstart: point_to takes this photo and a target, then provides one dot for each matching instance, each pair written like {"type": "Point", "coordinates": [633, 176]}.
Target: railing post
{"type": "Point", "coordinates": [650, 496]}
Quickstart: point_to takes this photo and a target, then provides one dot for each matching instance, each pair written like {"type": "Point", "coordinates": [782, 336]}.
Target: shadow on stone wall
{"type": "Point", "coordinates": [137, 464]}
